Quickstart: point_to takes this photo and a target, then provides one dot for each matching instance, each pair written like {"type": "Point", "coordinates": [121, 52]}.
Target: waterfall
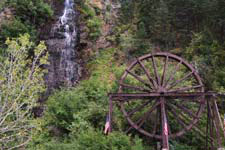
{"type": "Point", "coordinates": [64, 67]}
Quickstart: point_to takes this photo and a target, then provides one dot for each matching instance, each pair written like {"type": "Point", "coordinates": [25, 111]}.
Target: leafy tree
{"type": "Point", "coordinates": [21, 82]}
{"type": "Point", "coordinates": [2, 2]}
{"type": "Point", "coordinates": [14, 28]}
{"type": "Point", "coordinates": [35, 12]}
{"type": "Point", "coordinates": [91, 19]}
{"type": "Point", "coordinates": [28, 16]}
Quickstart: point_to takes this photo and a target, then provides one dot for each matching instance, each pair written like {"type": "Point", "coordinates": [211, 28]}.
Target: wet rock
{"type": "Point", "coordinates": [64, 68]}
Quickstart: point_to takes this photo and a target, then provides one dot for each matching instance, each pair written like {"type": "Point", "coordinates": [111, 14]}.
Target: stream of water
{"type": "Point", "coordinates": [64, 69]}
{"type": "Point", "coordinates": [67, 62]}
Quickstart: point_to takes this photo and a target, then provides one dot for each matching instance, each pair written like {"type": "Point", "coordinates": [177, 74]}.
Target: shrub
{"type": "Point", "coordinates": [34, 12]}
{"type": "Point", "coordinates": [78, 114]}
{"type": "Point", "coordinates": [21, 83]}
{"type": "Point", "coordinates": [208, 56]}
{"type": "Point", "coordinates": [94, 24]}
{"type": "Point", "coordinates": [14, 28]}
{"type": "Point", "coordinates": [92, 21]}
{"type": "Point", "coordinates": [2, 4]}
{"type": "Point", "coordinates": [94, 140]}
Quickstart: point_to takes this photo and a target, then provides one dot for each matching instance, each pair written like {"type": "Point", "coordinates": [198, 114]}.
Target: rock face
{"type": "Point", "coordinates": [6, 14]}
{"type": "Point", "coordinates": [98, 3]}
{"type": "Point", "coordinates": [64, 69]}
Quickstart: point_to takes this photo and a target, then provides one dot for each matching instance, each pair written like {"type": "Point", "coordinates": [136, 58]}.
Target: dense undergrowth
{"type": "Point", "coordinates": [27, 17]}
{"type": "Point", "coordinates": [90, 16]}
{"type": "Point", "coordinates": [74, 118]}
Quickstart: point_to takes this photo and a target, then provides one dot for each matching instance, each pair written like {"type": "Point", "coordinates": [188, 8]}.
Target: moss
{"type": "Point", "coordinates": [90, 16]}
{"type": "Point", "coordinates": [16, 27]}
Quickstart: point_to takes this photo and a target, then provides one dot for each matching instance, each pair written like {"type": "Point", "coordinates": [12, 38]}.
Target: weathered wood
{"type": "Point", "coordinates": [165, 90]}
{"type": "Point", "coordinates": [148, 74]}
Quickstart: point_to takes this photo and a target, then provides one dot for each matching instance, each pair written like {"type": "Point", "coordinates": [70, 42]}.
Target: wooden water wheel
{"type": "Point", "coordinates": [158, 90]}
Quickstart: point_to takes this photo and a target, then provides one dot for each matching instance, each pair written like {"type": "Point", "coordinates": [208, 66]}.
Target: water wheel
{"type": "Point", "coordinates": [159, 74]}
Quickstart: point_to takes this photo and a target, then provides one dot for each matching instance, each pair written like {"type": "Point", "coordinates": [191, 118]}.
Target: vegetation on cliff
{"type": "Point", "coordinates": [27, 17]}
{"type": "Point", "coordinates": [74, 118]}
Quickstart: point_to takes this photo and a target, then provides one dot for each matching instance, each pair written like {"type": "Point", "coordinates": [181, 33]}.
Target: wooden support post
{"type": "Point", "coordinates": [217, 123]}
{"type": "Point", "coordinates": [207, 126]}
{"type": "Point", "coordinates": [165, 137]}
{"type": "Point", "coordinates": [110, 113]}
{"type": "Point", "coordinates": [214, 125]}
{"type": "Point", "coordinates": [219, 118]}
{"type": "Point", "coordinates": [224, 126]}
{"type": "Point", "coordinates": [210, 116]}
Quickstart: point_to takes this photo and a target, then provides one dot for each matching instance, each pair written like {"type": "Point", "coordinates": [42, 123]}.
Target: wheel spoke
{"type": "Point", "coordinates": [157, 116]}
{"type": "Point", "coordinates": [138, 108]}
{"type": "Point", "coordinates": [182, 118]}
{"type": "Point", "coordinates": [164, 70]}
{"type": "Point", "coordinates": [179, 81]}
{"type": "Point", "coordinates": [141, 121]}
{"type": "Point", "coordinates": [134, 87]}
{"type": "Point", "coordinates": [147, 73]}
{"type": "Point", "coordinates": [138, 78]}
{"type": "Point", "coordinates": [164, 89]}
{"type": "Point", "coordinates": [177, 117]}
{"type": "Point", "coordinates": [155, 70]}
{"type": "Point", "coordinates": [188, 111]}
{"type": "Point", "coordinates": [186, 88]}
{"type": "Point", "coordinates": [172, 74]}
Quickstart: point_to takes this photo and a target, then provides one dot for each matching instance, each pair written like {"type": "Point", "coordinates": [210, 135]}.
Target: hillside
{"type": "Point", "coordinates": [60, 59]}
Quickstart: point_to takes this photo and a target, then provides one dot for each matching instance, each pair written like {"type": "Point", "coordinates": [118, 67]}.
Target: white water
{"type": "Point", "coordinates": [67, 63]}
{"type": "Point", "coordinates": [64, 69]}
{"type": "Point", "coordinates": [68, 55]}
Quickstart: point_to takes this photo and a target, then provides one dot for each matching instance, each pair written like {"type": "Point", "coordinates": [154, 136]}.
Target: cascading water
{"type": "Point", "coordinates": [64, 67]}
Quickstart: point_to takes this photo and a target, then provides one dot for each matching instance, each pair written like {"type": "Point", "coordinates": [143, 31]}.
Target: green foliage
{"type": "Point", "coordinates": [93, 22]}
{"type": "Point", "coordinates": [88, 100]}
{"type": "Point", "coordinates": [63, 105]}
{"type": "Point", "coordinates": [74, 118]}
{"type": "Point", "coordinates": [87, 10]}
{"type": "Point", "coordinates": [14, 28]}
{"type": "Point", "coordinates": [94, 140]}
{"type": "Point", "coordinates": [34, 12]}
{"type": "Point", "coordinates": [94, 25]}
{"type": "Point", "coordinates": [127, 11]}
{"type": "Point", "coordinates": [28, 16]}
{"type": "Point", "coordinates": [209, 57]}
{"type": "Point", "coordinates": [21, 82]}
{"type": "Point", "coordinates": [170, 23]}
{"type": "Point", "coordinates": [135, 45]}
{"type": "Point", "coordinates": [176, 146]}
{"type": "Point", "coordinates": [2, 4]}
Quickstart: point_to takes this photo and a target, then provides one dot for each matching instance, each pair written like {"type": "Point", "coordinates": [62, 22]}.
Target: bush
{"type": "Point", "coordinates": [208, 56]}
{"type": "Point", "coordinates": [134, 46]}
{"type": "Point", "coordinates": [28, 17]}
{"type": "Point", "coordinates": [21, 83]}
{"type": "Point", "coordinates": [76, 115]}
{"type": "Point", "coordinates": [34, 12]}
{"type": "Point", "coordinates": [93, 140]}
{"type": "Point", "coordinates": [14, 28]}
{"type": "Point", "coordinates": [2, 4]}
{"type": "Point", "coordinates": [93, 22]}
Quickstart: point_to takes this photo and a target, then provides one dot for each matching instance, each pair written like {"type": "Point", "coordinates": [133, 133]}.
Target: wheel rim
{"type": "Point", "coordinates": [161, 73]}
